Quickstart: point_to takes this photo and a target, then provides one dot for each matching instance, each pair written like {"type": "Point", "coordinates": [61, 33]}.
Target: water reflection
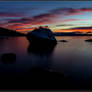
{"type": "Point", "coordinates": [42, 50]}
{"type": "Point", "coordinates": [73, 58]}
{"type": "Point", "coordinates": [41, 54]}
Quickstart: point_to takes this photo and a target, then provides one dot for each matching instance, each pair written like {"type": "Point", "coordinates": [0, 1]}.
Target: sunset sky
{"type": "Point", "coordinates": [60, 16]}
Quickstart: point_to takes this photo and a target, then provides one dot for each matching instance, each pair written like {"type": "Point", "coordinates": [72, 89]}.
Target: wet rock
{"type": "Point", "coordinates": [8, 58]}
{"type": "Point", "coordinates": [41, 36]}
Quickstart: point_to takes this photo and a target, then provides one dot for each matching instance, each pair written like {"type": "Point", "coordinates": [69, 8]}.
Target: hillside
{"type": "Point", "coordinates": [7, 32]}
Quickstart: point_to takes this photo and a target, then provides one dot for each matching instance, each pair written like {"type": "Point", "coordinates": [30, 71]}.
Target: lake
{"type": "Point", "coordinates": [73, 58]}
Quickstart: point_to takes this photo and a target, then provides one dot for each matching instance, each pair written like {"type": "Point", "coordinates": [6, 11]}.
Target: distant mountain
{"type": "Point", "coordinates": [71, 34]}
{"type": "Point", "coordinates": [8, 32]}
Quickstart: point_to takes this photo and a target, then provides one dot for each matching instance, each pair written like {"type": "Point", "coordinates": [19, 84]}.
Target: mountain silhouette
{"type": "Point", "coordinates": [71, 34]}
{"type": "Point", "coordinates": [8, 32]}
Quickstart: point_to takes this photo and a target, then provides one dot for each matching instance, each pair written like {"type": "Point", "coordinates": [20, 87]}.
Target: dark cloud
{"type": "Point", "coordinates": [40, 19]}
{"type": "Point", "coordinates": [47, 18]}
{"type": "Point", "coordinates": [82, 27]}
{"type": "Point", "coordinates": [50, 16]}
{"type": "Point", "coordinates": [72, 11]}
{"type": "Point", "coordinates": [64, 25]}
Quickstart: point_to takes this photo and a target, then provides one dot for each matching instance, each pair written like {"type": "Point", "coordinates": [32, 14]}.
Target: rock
{"type": "Point", "coordinates": [41, 36]}
{"type": "Point", "coordinates": [89, 40]}
{"type": "Point", "coordinates": [62, 41]}
{"type": "Point", "coordinates": [8, 58]}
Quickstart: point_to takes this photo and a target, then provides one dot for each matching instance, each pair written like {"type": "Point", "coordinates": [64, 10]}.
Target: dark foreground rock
{"type": "Point", "coordinates": [8, 58]}
{"type": "Point", "coordinates": [40, 79]}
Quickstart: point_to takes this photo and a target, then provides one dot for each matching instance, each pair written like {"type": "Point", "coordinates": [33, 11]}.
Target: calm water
{"type": "Point", "coordinates": [73, 58]}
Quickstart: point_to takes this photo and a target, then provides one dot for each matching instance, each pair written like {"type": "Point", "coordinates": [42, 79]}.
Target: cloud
{"type": "Point", "coordinates": [64, 25]}
{"type": "Point", "coordinates": [51, 17]}
{"type": "Point", "coordinates": [35, 20]}
{"type": "Point", "coordinates": [24, 22]}
{"type": "Point", "coordinates": [78, 11]}
{"type": "Point", "coordinates": [52, 13]}
{"type": "Point", "coordinates": [82, 27]}
{"type": "Point", "coordinates": [71, 11]}
{"type": "Point", "coordinates": [77, 29]}
{"type": "Point", "coordinates": [41, 20]}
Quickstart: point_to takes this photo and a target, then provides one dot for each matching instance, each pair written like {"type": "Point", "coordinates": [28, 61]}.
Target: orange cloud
{"type": "Point", "coordinates": [43, 19]}
{"type": "Point", "coordinates": [73, 30]}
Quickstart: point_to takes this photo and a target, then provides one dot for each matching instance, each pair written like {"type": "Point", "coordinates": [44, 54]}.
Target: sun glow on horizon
{"type": "Point", "coordinates": [58, 16]}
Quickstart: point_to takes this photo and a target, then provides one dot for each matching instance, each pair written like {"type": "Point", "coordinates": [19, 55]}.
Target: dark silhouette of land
{"type": "Point", "coordinates": [12, 33]}
{"type": "Point", "coordinates": [72, 34]}
{"type": "Point", "coordinates": [8, 32]}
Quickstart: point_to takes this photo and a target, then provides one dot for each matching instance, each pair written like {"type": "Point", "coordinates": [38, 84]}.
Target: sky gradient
{"type": "Point", "coordinates": [59, 16]}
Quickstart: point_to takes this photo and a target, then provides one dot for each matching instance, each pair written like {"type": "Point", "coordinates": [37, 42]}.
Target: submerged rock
{"type": "Point", "coordinates": [89, 40]}
{"type": "Point", "coordinates": [63, 41]}
{"type": "Point", "coordinates": [8, 58]}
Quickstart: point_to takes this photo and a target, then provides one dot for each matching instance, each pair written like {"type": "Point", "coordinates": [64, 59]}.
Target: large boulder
{"type": "Point", "coordinates": [8, 58]}
{"type": "Point", "coordinates": [41, 36]}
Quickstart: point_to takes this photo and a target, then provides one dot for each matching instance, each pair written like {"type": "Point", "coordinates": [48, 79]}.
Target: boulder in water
{"type": "Point", "coordinates": [8, 58]}
{"type": "Point", "coordinates": [41, 36]}
{"type": "Point", "coordinates": [62, 41]}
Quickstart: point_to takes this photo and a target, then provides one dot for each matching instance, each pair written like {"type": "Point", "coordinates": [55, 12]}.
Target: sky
{"type": "Point", "coordinates": [59, 16]}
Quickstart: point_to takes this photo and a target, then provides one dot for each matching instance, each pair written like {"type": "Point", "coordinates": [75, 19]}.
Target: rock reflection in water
{"type": "Point", "coordinates": [43, 50]}
{"type": "Point", "coordinates": [42, 55]}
